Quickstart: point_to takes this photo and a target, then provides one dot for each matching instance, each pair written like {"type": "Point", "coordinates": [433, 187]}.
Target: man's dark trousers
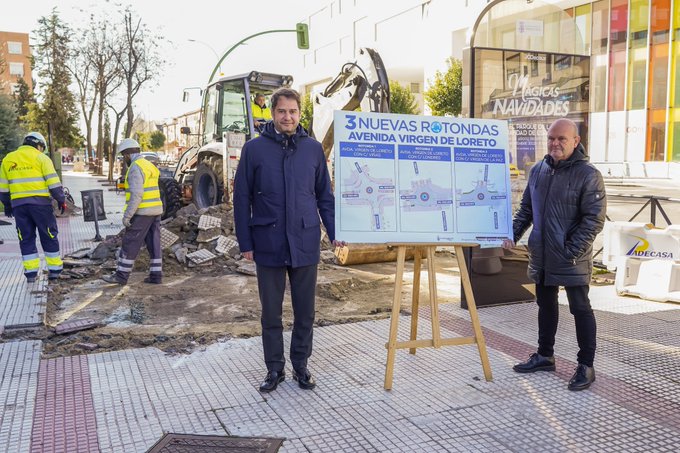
{"type": "Point", "coordinates": [271, 283]}
{"type": "Point", "coordinates": [548, 316]}
{"type": "Point", "coordinates": [144, 229]}
{"type": "Point", "coordinates": [30, 217]}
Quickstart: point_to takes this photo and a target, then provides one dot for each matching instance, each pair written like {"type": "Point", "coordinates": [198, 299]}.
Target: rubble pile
{"type": "Point", "coordinates": [199, 239]}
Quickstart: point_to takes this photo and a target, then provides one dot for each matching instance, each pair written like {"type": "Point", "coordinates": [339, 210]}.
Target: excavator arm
{"type": "Point", "coordinates": [363, 83]}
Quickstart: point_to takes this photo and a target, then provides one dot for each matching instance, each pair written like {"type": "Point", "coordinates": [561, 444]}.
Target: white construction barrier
{"type": "Point", "coordinates": [646, 259]}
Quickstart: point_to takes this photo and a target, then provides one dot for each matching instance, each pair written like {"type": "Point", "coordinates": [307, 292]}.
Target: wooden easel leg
{"type": "Point", "coordinates": [394, 324]}
{"type": "Point", "coordinates": [415, 296]}
{"type": "Point", "coordinates": [472, 308]}
{"type": "Point", "coordinates": [434, 306]}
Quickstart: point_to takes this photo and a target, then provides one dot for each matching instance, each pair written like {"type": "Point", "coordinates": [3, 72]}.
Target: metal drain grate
{"type": "Point", "coordinates": [193, 443]}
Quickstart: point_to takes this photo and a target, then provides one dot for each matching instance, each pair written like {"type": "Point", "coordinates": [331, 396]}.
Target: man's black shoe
{"type": "Point", "coordinates": [273, 379]}
{"type": "Point", "coordinates": [536, 362]}
{"type": "Point", "coordinates": [582, 378]}
{"type": "Point", "coordinates": [304, 379]}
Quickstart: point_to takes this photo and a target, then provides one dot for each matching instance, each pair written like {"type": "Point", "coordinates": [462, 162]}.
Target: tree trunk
{"type": "Point", "coordinates": [100, 132]}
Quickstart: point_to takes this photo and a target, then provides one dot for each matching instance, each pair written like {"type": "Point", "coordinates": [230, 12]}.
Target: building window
{"type": "Point", "coordinates": [14, 47]}
{"type": "Point", "coordinates": [16, 69]}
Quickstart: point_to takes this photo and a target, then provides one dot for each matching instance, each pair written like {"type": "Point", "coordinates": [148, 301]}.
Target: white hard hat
{"type": "Point", "coordinates": [34, 139]}
{"type": "Point", "coordinates": [127, 143]}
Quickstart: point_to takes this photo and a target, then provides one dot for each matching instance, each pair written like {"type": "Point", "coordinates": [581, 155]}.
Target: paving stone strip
{"type": "Point", "coordinates": [64, 416]}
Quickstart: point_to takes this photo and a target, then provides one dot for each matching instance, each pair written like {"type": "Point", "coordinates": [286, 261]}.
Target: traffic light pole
{"type": "Point", "coordinates": [302, 39]}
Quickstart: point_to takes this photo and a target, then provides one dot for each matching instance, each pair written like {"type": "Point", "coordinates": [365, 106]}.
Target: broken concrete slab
{"type": "Point", "coordinates": [80, 253]}
{"type": "Point", "coordinates": [103, 251]}
{"type": "Point", "coordinates": [167, 238]}
{"type": "Point", "coordinates": [87, 346]}
{"type": "Point", "coordinates": [187, 210]}
{"type": "Point", "coordinates": [208, 235]}
{"type": "Point", "coordinates": [181, 254]}
{"type": "Point", "coordinates": [207, 222]}
{"type": "Point", "coordinates": [246, 267]}
{"type": "Point", "coordinates": [69, 262]}
{"type": "Point", "coordinates": [201, 256]}
{"type": "Point", "coordinates": [75, 326]}
{"type": "Point", "coordinates": [227, 246]}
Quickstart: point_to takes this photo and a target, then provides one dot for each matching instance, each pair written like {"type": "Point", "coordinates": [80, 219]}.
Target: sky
{"type": "Point", "coordinates": [218, 25]}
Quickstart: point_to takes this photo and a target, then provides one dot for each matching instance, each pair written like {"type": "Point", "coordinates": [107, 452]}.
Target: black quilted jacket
{"type": "Point", "coordinates": [566, 204]}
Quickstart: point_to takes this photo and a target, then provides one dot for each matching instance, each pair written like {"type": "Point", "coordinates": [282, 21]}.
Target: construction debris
{"type": "Point", "coordinates": [201, 256]}
{"type": "Point", "coordinates": [167, 238]}
{"type": "Point", "coordinates": [195, 240]}
{"type": "Point", "coordinates": [75, 326]}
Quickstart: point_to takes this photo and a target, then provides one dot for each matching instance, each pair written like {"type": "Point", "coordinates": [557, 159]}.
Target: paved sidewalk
{"type": "Point", "coordinates": [126, 400]}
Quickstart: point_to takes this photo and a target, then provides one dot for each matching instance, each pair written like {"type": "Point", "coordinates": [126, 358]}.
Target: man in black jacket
{"type": "Point", "coordinates": [565, 201]}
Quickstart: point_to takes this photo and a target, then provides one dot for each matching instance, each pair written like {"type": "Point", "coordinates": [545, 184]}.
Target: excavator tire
{"type": "Point", "coordinates": [208, 185]}
{"type": "Point", "coordinates": [171, 195]}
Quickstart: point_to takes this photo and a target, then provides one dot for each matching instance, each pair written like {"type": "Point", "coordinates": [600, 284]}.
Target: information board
{"type": "Point", "coordinates": [407, 178]}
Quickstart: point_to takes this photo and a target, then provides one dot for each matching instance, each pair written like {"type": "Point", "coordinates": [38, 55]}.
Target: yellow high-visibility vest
{"type": "Point", "coordinates": [27, 172]}
{"type": "Point", "coordinates": [261, 112]}
{"type": "Point", "coordinates": [152, 194]}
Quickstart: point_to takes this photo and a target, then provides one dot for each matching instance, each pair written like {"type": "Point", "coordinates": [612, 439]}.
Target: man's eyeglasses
{"type": "Point", "coordinates": [562, 140]}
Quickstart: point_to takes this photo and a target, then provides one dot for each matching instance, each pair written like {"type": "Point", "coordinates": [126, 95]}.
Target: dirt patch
{"type": "Point", "coordinates": [199, 306]}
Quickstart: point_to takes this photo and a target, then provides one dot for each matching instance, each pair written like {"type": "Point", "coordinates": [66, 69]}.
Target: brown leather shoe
{"type": "Point", "coordinates": [272, 380]}
{"type": "Point", "coordinates": [304, 379]}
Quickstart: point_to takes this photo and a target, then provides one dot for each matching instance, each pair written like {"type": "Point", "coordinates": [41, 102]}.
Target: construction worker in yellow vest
{"type": "Point", "coordinates": [141, 216]}
{"type": "Point", "coordinates": [261, 113]}
{"type": "Point", "coordinates": [28, 182]}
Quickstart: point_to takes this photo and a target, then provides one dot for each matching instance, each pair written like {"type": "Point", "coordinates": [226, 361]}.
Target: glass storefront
{"type": "Point", "coordinates": [531, 90]}
{"type": "Point", "coordinates": [633, 92]}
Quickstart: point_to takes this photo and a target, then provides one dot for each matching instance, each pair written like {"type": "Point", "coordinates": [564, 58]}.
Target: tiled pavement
{"type": "Point", "coordinates": [125, 401]}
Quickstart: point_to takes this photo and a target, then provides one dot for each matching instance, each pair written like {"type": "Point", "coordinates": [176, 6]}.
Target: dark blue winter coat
{"type": "Point", "coordinates": [282, 186]}
{"type": "Point", "coordinates": [566, 203]}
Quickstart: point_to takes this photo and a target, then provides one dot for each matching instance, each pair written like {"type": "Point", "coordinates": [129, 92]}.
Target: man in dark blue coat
{"type": "Point", "coordinates": [565, 201]}
{"type": "Point", "coordinates": [281, 188]}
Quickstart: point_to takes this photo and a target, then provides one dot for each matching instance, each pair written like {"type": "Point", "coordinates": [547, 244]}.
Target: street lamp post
{"type": "Point", "coordinates": [211, 49]}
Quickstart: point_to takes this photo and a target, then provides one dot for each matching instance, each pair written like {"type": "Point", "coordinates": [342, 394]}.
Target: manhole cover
{"type": "Point", "coordinates": [193, 443]}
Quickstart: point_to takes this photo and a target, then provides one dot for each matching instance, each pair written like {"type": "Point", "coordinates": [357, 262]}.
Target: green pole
{"type": "Point", "coordinates": [217, 66]}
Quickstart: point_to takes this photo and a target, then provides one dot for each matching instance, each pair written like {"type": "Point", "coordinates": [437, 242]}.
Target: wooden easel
{"type": "Point", "coordinates": [436, 340]}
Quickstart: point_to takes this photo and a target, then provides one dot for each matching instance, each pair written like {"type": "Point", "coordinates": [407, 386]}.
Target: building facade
{"type": "Point", "coordinates": [15, 61]}
{"type": "Point", "coordinates": [176, 142]}
{"type": "Point", "coordinates": [616, 63]}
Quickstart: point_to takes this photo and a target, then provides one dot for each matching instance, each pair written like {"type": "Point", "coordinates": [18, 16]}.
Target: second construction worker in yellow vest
{"type": "Point", "coordinates": [141, 217]}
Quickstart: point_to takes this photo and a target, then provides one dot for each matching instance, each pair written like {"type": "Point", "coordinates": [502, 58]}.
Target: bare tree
{"type": "Point", "coordinates": [103, 53]}
{"type": "Point", "coordinates": [139, 60]}
{"type": "Point", "coordinates": [88, 88]}
{"type": "Point", "coordinates": [118, 113]}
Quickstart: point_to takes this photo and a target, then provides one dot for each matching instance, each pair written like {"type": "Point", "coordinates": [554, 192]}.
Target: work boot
{"type": "Point", "coordinates": [582, 378]}
{"type": "Point", "coordinates": [31, 279]}
{"type": "Point", "coordinates": [536, 362]}
{"type": "Point", "coordinates": [153, 281]}
{"type": "Point", "coordinates": [112, 278]}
